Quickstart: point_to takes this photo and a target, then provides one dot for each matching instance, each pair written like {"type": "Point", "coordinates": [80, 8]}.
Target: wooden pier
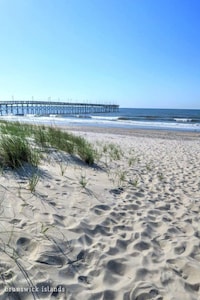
{"type": "Point", "coordinates": [47, 108]}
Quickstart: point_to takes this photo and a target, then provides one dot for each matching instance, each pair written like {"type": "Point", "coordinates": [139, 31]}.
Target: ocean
{"type": "Point", "coordinates": [131, 118]}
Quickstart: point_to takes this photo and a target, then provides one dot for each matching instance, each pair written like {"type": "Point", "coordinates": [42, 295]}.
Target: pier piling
{"type": "Point", "coordinates": [54, 108]}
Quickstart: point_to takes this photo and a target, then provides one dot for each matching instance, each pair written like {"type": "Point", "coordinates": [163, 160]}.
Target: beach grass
{"type": "Point", "coordinates": [15, 151]}
{"type": "Point", "coordinates": [83, 181]}
{"type": "Point", "coordinates": [16, 147]}
{"type": "Point", "coordinates": [33, 181]}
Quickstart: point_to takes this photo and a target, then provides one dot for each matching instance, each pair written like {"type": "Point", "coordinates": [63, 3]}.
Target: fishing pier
{"type": "Point", "coordinates": [46, 108]}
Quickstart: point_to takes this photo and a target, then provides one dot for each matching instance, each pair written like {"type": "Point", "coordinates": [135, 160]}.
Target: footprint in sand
{"type": "Point", "coordinates": [100, 209]}
{"type": "Point", "coordinates": [180, 249]}
{"type": "Point", "coordinates": [6, 273]}
{"type": "Point", "coordinates": [142, 246]}
{"type": "Point", "coordinates": [51, 259]}
{"type": "Point", "coordinates": [113, 272]}
{"type": "Point", "coordinates": [143, 291]}
{"type": "Point", "coordinates": [116, 266]}
{"type": "Point", "coordinates": [25, 246]}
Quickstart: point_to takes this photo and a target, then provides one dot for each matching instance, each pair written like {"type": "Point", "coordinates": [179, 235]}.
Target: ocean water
{"type": "Point", "coordinates": [131, 118]}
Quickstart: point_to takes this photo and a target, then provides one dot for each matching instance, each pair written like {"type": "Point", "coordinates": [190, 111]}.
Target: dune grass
{"type": "Point", "coordinates": [16, 129]}
{"type": "Point", "coordinates": [33, 181]}
{"type": "Point", "coordinates": [67, 142]}
{"type": "Point", "coordinates": [15, 146]}
{"type": "Point", "coordinates": [15, 151]}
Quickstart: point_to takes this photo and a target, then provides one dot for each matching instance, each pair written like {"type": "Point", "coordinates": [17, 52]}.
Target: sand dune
{"type": "Point", "coordinates": [126, 228]}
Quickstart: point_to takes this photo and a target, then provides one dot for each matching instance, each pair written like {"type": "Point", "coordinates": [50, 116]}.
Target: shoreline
{"type": "Point", "coordinates": [112, 128]}
{"type": "Point", "coordinates": [165, 134]}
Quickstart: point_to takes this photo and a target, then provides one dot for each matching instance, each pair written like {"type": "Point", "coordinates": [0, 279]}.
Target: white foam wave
{"type": "Point", "coordinates": [164, 125]}
{"type": "Point", "coordinates": [105, 118]}
{"type": "Point", "coordinates": [184, 120]}
{"type": "Point", "coordinates": [105, 122]}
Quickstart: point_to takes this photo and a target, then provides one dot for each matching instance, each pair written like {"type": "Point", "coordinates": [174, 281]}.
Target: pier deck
{"type": "Point", "coordinates": [53, 107]}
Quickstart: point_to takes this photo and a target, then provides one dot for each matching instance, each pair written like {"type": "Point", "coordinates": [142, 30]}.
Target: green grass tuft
{"type": "Point", "coordinates": [43, 137]}
{"type": "Point", "coordinates": [33, 181]}
{"type": "Point", "coordinates": [15, 151]}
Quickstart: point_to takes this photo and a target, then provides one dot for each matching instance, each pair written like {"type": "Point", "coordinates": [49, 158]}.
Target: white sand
{"type": "Point", "coordinates": [133, 231]}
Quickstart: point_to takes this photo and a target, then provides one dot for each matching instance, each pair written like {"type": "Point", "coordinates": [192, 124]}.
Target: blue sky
{"type": "Point", "coordinates": [137, 53]}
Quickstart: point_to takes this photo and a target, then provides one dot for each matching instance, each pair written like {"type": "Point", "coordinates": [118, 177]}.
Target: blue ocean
{"type": "Point", "coordinates": [131, 118]}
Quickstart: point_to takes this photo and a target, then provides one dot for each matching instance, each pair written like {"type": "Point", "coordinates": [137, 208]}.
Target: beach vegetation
{"type": "Point", "coordinates": [131, 161]}
{"type": "Point", "coordinates": [111, 152]}
{"type": "Point", "coordinates": [84, 149]}
{"type": "Point", "coordinates": [1, 169]}
{"type": "Point", "coordinates": [83, 181]}
{"type": "Point", "coordinates": [134, 182]}
{"type": "Point", "coordinates": [19, 191]}
{"type": "Point", "coordinates": [63, 167]}
{"type": "Point", "coordinates": [98, 155]}
{"type": "Point", "coordinates": [33, 181]}
{"type": "Point", "coordinates": [121, 177]}
{"type": "Point", "coordinates": [105, 148]}
{"type": "Point", "coordinates": [149, 166]}
{"type": "Point", "coordinates": [64, 141]}
{"type": "Point", "coordinates": [41, 137]}
{"type": "Point", "coordinates": [115, 151]}
{"type": "Point", "coordinates": [160, 176]}
{"type": "Point", "coordinates": [14, 133]}
{"type": "Point", "coordinates": [15, 151]}
{"type": "Point", "coordinates": [16, 129]}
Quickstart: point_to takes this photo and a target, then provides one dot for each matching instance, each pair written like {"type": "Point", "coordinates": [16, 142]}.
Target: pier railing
{"type": "Point", "coordinates": [54, 107]}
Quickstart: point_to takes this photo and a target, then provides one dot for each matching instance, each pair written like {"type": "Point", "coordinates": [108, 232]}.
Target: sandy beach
{"type": "Point", "coordinates": [127, 227]}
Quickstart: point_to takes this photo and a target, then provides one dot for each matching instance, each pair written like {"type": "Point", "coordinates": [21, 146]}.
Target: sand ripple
{"type": "Point", "coordinates": [132, 240]}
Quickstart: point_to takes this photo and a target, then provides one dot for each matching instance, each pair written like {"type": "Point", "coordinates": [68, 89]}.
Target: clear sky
{"type": "Point", "coordinates": [137, 53]}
